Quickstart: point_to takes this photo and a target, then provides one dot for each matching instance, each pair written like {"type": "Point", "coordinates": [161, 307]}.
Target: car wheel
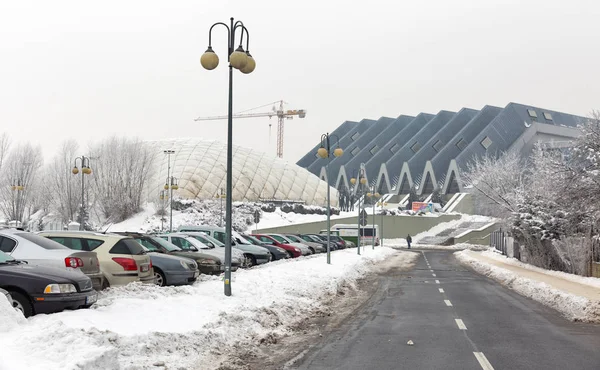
{"type": "Point", "coordinates": [312, 250]}
{"type": "Point", "coordinates": [273, 257]}
{"type": "Point", "coordinates": [159, 277]}
{"type": "Point", "coordinates": [290, 254]}
{"type": "Point", "coordinates": [250, 261]}
{"type": "Point", "coordinates": [22, 303]}
{"type": "Point", "coordinates": [105, 284]}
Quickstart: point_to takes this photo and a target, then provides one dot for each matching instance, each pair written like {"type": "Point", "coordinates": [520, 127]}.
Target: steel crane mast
{"type": "Point", "coordinates": [275, 112]}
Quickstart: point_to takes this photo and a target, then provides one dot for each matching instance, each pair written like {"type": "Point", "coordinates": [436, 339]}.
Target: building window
{"type": "Point", "coordinates": [415, 147]}
{"type": "Point", "coordinates": [374, 149]}
{"type": "Point", "coordinates": [532, 113]}
{"type": "Point", "coordinates": [355, 136]}
{"type": "Point", "coordinates": [486, 142]}
{"type": "Point", "coordinates": [438, 146]}
{"type": "Point", "coordinates": [395, 148]}
{"type": "Point", "coordinates": [355, 151]}
{"type": "Point", "coordinates": [461, 144]}
{"type": "Point", "coordinates": [548, 116]}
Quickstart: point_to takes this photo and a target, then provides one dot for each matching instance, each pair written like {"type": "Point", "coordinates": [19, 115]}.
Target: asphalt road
{"type": "Point", "coordinates": [465, 321]}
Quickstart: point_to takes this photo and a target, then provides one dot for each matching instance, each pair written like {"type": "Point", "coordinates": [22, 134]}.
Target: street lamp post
{"type": "Point", "coordinates": [163, 196]}
{"type": "Point", "coordinates": [242, 60]}
{"type": "Point", "coordinates": [17, 188]}
{"type": "Point", "coordinates": [221, 195]}
{"type": "Point", "coordinates": [171, 184]}
{"type": "Point", "coordinates": [85, 170]}
{"type": "Point", "coordinates": [376, 196]}
{"type": "Point", "coordinates": [325, 152]}
{"type": "Point", "coordinates": [169, 153]}
{"type": "Point", "coordinates": [362, 180]}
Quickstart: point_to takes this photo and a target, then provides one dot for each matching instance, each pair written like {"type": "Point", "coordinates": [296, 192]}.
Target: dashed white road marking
{"type": "Point", "coordinates": [437, 281]}
{"type": "Point", "coordinates": [448, 303]}
{"type": "Point", "coordinates": [441, 290]}
{"type": "Point", "coordinates": [461, 325]}
{"type": "Point", "coordinates": [431, 270]}
{"type": "Point", "coordinates": [483, 361]}
{"type": "Point", "coordinates": [434, 275]}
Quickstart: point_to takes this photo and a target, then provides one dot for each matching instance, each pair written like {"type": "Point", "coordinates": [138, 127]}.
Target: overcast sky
{"type": "Point", "coordinates": [91, 69]}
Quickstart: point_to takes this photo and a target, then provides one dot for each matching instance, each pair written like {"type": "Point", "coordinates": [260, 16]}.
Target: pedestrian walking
{"type": "Point", "coordinates": [408, 240]}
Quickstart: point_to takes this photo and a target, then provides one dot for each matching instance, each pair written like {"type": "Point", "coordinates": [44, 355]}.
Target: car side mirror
{"type": "Point", "coordinates": [193, 249]}
{"type": "Point", "coordinates": [209, 244]}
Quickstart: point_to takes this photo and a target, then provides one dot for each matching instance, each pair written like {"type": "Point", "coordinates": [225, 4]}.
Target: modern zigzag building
{"type": "Point", "coordinates": [429, 151]}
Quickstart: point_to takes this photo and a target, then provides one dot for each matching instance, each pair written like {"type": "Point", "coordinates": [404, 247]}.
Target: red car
{"type": "Point", "coordinates": [294, 252]}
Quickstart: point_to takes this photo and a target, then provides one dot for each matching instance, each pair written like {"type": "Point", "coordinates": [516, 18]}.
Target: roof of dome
{"type": "Point", "coordinates": [200, 165]}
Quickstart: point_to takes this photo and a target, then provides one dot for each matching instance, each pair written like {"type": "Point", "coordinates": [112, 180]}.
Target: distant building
{"type": "Point", "coordinates": [428, 151]}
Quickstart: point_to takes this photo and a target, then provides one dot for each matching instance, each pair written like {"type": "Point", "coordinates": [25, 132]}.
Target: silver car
{"type": "Point", "coordinates": [37, 250]}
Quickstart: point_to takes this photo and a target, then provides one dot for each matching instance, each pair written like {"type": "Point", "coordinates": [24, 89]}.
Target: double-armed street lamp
{"type": "Point", "coordinates": [375, 195]}
{"type": "Point", "coordinates": [85, 170]}
{"type": "Point", "coordinates": [362, 180]}
{"type": "Point", "coordinates": [325, 152]}
{"type": "Point", "coordinates": [241, 60]}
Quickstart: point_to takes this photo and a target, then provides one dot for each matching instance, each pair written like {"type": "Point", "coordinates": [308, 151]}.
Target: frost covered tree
{"type": "Point", "coordinates": [18, 182]}
{"type": "Point", "coordinates": [498, 182]}
{"type": "Point", "coordinates": [61, 187]}
{"type": "Point", "coordinates": [122, 167]}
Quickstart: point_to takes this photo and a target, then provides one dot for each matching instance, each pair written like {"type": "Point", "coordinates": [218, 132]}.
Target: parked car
{"type": "Point", "coordinates": [188, 242]}
{"type": "Point", "coordinates": [207, 264]}
{"type": "Point", "coordinates": [306, 251]}
{"type": "Point", "coordinates": [277, 253]}
{"type": "Point", "coordinates": [316, 239]}
{"type": "Point", "coordinates": [314, 247]}
{"type": "Point", "coordinates": [213, 246]}
{"type": "Point", "coordinates": [37, 250]}
{"type": "Point", "coordinates": [170, 270]}
{"type": "Point", "coordinates": [122, 259]}
{"type": "Point", "coordinates": [257, 255]}
{"type": "Point", "coordinates": [38, 289]}
{"type": "Point", "coordinates": [294, 252]}
{"type": "Point", "coordinates": [339, 242]}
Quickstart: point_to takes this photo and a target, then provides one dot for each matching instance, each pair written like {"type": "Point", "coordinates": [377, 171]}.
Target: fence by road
{"type": "Point", "coordinates": [504, 244]}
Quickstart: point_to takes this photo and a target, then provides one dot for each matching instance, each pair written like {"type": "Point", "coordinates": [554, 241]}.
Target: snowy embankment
{"type": "Point", "coordinates": [142, 326]}
{"type": "Point", "coordinates": [573, 306]}
{"type": "Point", "coordinates": [437, 229]}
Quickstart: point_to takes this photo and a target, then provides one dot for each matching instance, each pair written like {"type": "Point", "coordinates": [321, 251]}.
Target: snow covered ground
{"type": "Point", "coordinates": [401, 243]}
{"type": "Point", "coordinates": [195, 327]}
{"type": "Point", "coordinates": [573, 301]}
{"type": "Point", "coordinates": [147, 220]}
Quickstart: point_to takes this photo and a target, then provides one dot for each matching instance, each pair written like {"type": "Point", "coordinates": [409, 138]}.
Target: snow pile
{"type": "Point", "coordinates": [573, 307]}
{"type": "Point", "coordinates": [9, 317]}
{"type": "Point", "coordinates": [437, 229]}
{"type": "Point", "coordinates": [142, 326]}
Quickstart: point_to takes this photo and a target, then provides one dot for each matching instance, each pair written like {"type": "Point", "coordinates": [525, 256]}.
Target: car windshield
{"type": "Point", "coordinates": [279, 238]}
{"type": "Point", "coordinates": [147, 244]}
{"type": "Point", "coordinates": [4, 258]}
{"type": "Point", "coordinates": [165, 244]}
{"type": "Point", "coordinates": [239, 239]}
{"type": "Point", "coordinates": [293, 238]}
{"type": "Point", "coordinates": [41, 241]}
{"type": "Point", "coordinates": [214, 241]}
{"type": "Point", "coordinates": [204, 241]}
{"type": "Point", "coordinates": [253, 240]}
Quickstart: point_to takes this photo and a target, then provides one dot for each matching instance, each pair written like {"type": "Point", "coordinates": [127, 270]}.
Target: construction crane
{"type": "Point", "coordinates": [275, 112]}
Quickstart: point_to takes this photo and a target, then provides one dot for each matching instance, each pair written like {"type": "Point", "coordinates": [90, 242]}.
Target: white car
{"type": "Point", "coordinates": [37, 250]}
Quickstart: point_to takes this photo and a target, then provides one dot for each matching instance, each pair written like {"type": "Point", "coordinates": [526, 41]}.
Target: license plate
{"type": "Point", "coordinates": [91, 299]}
{"type": "Point", "coordinates": [145, 268]}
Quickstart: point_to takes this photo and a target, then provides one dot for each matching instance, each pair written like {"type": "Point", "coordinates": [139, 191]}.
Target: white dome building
{"type": "Point", "coordinates": [200, 168]}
